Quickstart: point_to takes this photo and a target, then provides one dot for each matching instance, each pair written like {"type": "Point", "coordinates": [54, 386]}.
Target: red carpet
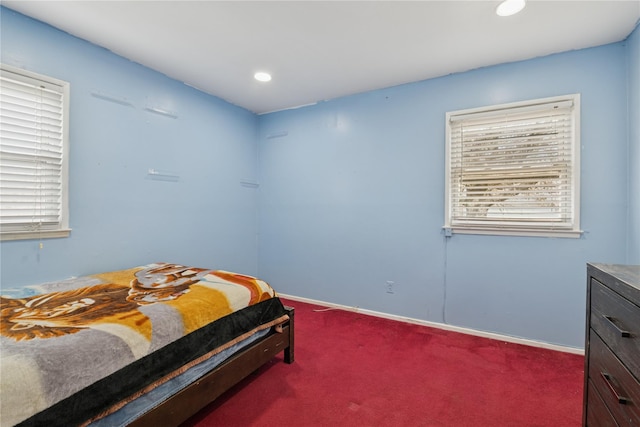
{"type": "Point", "coordinates": [357, 370]}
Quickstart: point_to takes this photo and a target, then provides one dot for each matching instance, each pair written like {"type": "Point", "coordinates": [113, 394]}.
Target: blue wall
{"type": "Point", "coordinates": [353, 196]}
{"type": "Point", "coordinates": [633, 53]}
{"type": "Point", "coordinates": [120, 217]}
{"type": "Point", "coordinates": [351, 190]}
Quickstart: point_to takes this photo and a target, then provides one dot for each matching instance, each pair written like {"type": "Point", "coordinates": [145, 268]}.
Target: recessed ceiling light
{"type": "Point", "coordinates": [510, 7]}
{"type": "Point", "coordinates": [262, 77]}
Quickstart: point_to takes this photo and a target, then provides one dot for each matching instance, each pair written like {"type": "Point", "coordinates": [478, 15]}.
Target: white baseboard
{"type": "Point", "coordinates": [468, 331]}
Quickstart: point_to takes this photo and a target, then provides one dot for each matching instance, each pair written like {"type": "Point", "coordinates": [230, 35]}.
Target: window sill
{"type": "Point", "coordinates": [524, 232]}
{"type": "Point", "coordinates": [34, 235]}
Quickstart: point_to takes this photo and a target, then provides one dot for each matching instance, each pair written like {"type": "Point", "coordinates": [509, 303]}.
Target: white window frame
{"type": "Point", "coordinates": [34, 227]}
{"type": "Point", "coordinates": [531, 211]}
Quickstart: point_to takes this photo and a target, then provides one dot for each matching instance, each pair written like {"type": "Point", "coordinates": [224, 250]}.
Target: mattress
{"type": "Point", "coordinates": [146, 402]}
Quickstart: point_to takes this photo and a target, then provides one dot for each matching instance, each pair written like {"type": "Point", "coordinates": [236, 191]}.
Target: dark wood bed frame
{"type": "Point", "coordinates": [196, 396]}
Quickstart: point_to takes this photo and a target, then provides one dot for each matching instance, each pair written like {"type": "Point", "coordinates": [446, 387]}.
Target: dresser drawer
{"type": "Point", "coordinates": [617, 387]}
{"type": "Point", "coordinates": [598, 414]}
{"type": "Point", "coordinates": [617, 321]}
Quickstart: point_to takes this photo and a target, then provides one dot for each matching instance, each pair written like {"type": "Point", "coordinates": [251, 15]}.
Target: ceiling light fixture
{"type": "Point", "coordinates": [510, 7]}
{"type": "Point", "coordinates": [262, 77]}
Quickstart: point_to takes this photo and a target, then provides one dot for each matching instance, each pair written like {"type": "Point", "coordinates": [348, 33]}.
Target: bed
{"type": "Point", "coordinates": [146, 346]}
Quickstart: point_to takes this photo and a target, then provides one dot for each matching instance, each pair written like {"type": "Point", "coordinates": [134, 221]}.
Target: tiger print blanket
{"type": "Point", "coordinates": [76, 346]}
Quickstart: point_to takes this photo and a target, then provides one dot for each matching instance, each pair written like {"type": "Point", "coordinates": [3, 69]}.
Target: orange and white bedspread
{"type": "Point", "coordinates": [80, 345]}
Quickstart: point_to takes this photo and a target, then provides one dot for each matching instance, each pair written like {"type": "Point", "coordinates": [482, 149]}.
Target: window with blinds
{"type": "Point", "coordinates": [514, 169]}
{"type": "Point", "coordinates": [33, 155]}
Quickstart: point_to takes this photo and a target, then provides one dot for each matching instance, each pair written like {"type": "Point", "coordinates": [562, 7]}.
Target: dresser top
{"type": "Point", "coordinates": [624, 279]}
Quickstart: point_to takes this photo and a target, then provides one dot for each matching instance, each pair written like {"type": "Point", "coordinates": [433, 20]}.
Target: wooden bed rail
{"type": "Point", "coordinates": [196, 396]}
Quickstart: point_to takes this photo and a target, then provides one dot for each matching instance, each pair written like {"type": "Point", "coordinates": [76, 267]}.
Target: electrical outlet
{"type": "Point", "coordinates": [390, 285]}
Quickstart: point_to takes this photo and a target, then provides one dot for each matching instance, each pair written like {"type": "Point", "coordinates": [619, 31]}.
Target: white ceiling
{"type": "Point", "coordinates": [319, 50]}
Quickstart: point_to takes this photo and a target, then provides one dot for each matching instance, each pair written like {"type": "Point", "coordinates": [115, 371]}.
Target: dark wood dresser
{"type": "Point", "coordinates": [612, 346]}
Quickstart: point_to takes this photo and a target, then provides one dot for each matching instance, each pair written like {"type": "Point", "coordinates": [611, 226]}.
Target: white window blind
{"type": "Point", "coordinates": [514, 169]}
{"type": "Point", "coordinates": [33, 155]}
